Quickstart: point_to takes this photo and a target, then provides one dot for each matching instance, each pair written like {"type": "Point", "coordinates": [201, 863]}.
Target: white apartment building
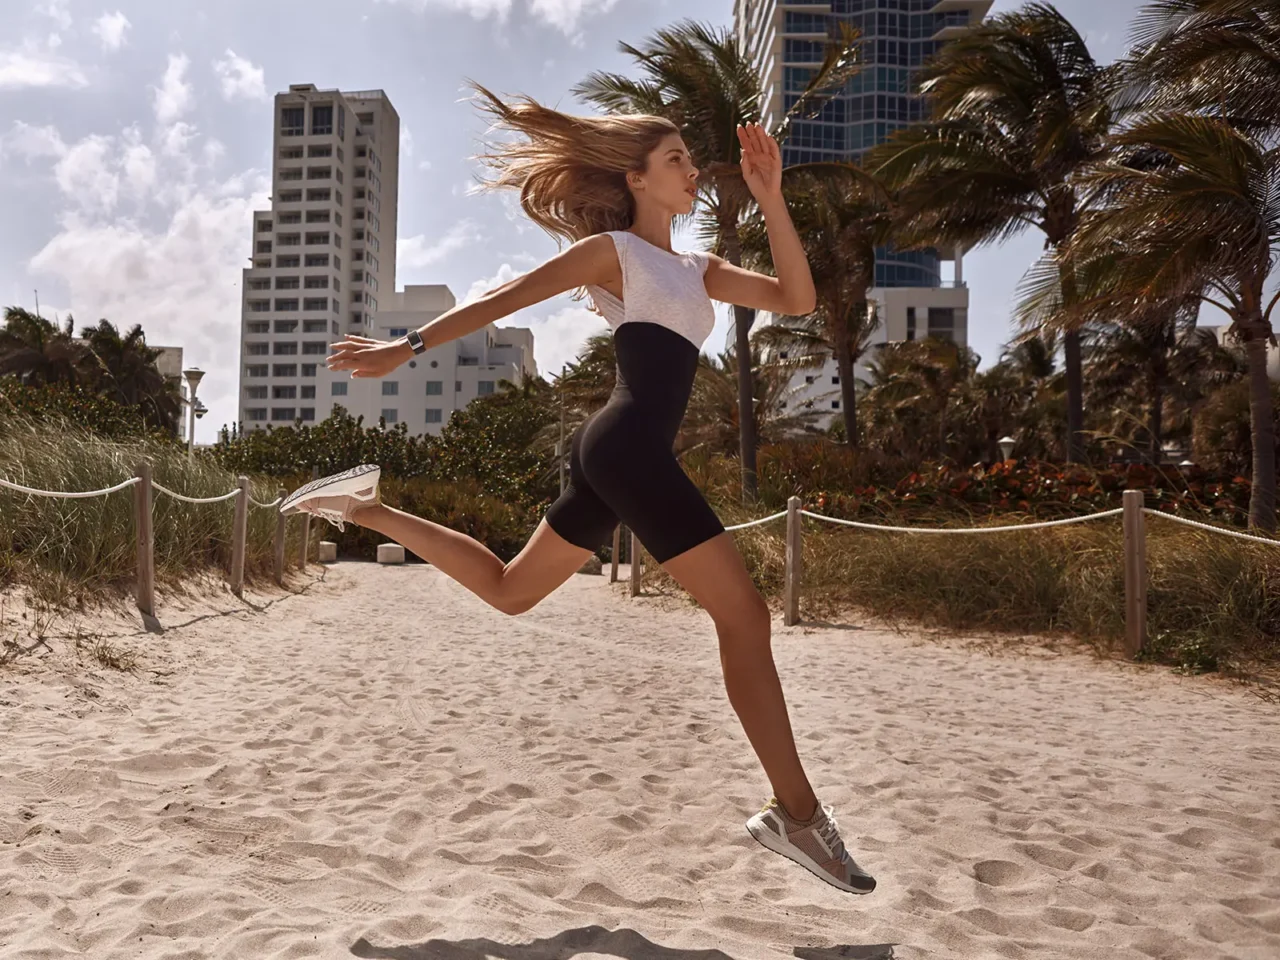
{"type": "Point", "coordinates": [786, 40]}
{"type": "Point", "coordinates": [325, 251]}
{"type": "Point", "coordinates": [425, 391]}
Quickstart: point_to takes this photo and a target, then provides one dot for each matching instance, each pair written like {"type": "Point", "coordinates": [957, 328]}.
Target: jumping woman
{"type": "Point", "coordinates": [611, 185]}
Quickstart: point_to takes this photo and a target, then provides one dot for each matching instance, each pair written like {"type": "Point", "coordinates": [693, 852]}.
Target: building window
{"type": "Point", "coordinates": [287, 283]}
{"type": "Point", "coordinates": [259, 306]}
{"type": "Point", "coordinates": [290, 153]}
{"type": "Point", "coordinates": [390, 415]}
{"type": "Point", "coordinates": [317, 260]}
{"type": "Point", "coordinates": [259, 326]}
{"type": "Point", "coordinates": [309, 392]}
{"type": "Point", "coordinates": [284, 369]}
{"type": "Point", "coordinates": [339, 388]}
{"type": "Point", "coordinates": [390, 388]}
{"type": "Point", "coordinates": [284, 393]}
{"type": "Point", "coordinates": [398, 331]}
{"type": "Point", "coordinates": [308, 369]}
{"type": "Point", "coordinates": [317, 216]}
{"type": "Point", "coordinates": [290, 196]}
{"type": "Point", "coordinates": [255, 413]}
{"type": "Point", "coordinates": [319, 195]}
{"type": "Point", "coordinates": [255, 349]}
{"type": "Point", "coordinates": [435, 388]}
{"type": "Point", "coordinates": [292, 121]}
{"type": "Point", "coordinates": [911, 323]}
{"type": "Point", "coordinates": [322, 120]}
{"type": "Point", "coordinates": [288, 219]}
{"type": "Point", "coordinates": [308, 413]}
{"type": "Point", "coordinates": [835, 404]}
{"type": "Point", "coordinates": [264, 226]}
{"type": "Point", "coordinates": [484, 387]}
{"type": "Point", "coordinates": [287, 262]}
{"type": "Point", "coordinates": [256, 370]}
{"type": "Point", "coordinates": [260, 284]}
{"type": "Point", "coordinates": [264, 246]}
{"type": "Point", "coordinates": [314, 347]}
{"type": "Point", "coordinates": [457, 386]}
{"type": "Point", "coordinates": [285, 348]}
{"type": "Point", "coordinates": [315, 303]}
{"type": "Point", "coordinates": [342, 125]}
{"type": "Point", "coordinates": [286, 326]}
{"type": "Point", "coordinates": [290, 303]}
{"type": "Point", "coordinates": [942, 323]}
{"type": "Point", "coordinates": [256, 393]}
{"type": "Point", "coordinates": [282, 413]}
{"type": "Point", "coordinates": [320, 150]}
{"type": "Point", "coordinates": [835, 381]}
{"type": "Point", "coordinates": [434, 414]}
{"type": "Point", "coordinates": [313, 326]}
{"type": "Point", "coordinates": [314, 239]}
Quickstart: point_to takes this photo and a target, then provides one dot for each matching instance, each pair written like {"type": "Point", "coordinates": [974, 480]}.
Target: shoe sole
{"type": "Point", "coordinates": [768, 839]}
{"type": "Point", "coordinates": [334, 485]}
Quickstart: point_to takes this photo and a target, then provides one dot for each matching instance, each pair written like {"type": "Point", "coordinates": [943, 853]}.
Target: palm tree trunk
{"type": "Point", "coordinates": [844, 368]}
{"type": "Point", "coordinates": [1075, 397]}
{"type": "Point", "coordinates": [1262, 497]}
{"type": "Point", "coordinates": [743, 317]}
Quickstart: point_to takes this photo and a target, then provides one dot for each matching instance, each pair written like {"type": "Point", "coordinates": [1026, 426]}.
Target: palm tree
{"type": "Point", "coordinates": [841, 215]}
{"type": "Point", "coordinates": [124, 369]}
{"type": "Point", "coordinates": [1019, 111]}
{"type": "Point", "coordinates": [1202, 221]}
{"type": "Point", "coordinates": [1217, 57]}
{"type": "Point", "coordinates": [35, 351]}
{"type": "Point", "coordinates": [701, 78]}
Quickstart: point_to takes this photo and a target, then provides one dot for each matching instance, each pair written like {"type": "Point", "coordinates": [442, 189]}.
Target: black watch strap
{"type": "Point", "coordinates": [415, 341]}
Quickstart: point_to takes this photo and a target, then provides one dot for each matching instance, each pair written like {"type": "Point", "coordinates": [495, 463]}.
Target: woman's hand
{"type": "Point", "coordinates": [366, 357]}
{"type": "Point", "coordinates": [761, 162]}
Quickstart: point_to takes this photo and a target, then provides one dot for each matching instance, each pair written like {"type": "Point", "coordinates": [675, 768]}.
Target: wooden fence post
{"type": "Point", "coordinates": [306, 529]}
{"type": "Point", "coordinates": [279, 544]}
{"type": "Point", "coordinates": [791, 611]}
{"type": "Point", "coordinates": [238, 536]}
{"type": "Point", "coordinates": [1135, 574]}
{"type": "Point", "coordinates": [635, 564]}
{"type": "Point", "coordinates": [145, 540]}
{"type": "Point", "coordinates": [617, 545]}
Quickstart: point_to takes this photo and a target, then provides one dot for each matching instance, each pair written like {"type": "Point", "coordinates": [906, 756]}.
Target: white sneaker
{"type": "Point", "coordinates": [338, 496]}
{"type": "Point", "coordinates": [816, 846]}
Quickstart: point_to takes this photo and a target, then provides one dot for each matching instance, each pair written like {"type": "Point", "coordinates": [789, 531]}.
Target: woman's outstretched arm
{"type": "Point", "coordinates": [590, 260]}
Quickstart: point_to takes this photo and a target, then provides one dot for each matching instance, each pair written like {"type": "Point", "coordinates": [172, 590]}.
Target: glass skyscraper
{"type": "Point", "coordinates": [895, 38]}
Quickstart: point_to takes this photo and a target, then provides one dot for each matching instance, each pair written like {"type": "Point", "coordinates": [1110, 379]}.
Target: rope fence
{"type": "Point", "coordinates": [145, 488]}
{"type": "Point", "coordinates": [1135, 552]}
{"type": "Point", "coordinates": [1133, 512]}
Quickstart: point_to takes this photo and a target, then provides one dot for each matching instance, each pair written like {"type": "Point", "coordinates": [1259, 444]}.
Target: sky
{"type": "Point", "coordinates": [135, 143]}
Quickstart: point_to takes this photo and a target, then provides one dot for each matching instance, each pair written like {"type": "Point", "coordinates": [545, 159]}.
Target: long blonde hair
{"type": "Point", "coordinates": [571, 171]}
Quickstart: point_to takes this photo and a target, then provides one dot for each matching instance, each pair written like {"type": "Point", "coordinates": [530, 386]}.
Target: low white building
{"type": "Point", "coordinates": [904, 313]}
{"type": "Point", "coordinates": [425, 391]}
{"type": "Point", "coordinates": [1273, 354]}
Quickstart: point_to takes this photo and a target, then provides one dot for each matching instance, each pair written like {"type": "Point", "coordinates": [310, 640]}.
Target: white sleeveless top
{"type": "Point", "coordinates": [658, 287]}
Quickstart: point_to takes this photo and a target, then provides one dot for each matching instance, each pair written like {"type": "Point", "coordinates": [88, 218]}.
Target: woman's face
{"type": "Point", "coordinates": [670, 177]}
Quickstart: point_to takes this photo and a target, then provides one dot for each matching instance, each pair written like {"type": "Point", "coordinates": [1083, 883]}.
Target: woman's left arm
{"type": "Point", "coordinates": [791, 292]}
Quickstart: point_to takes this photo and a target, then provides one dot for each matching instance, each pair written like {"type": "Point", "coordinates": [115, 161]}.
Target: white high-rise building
{"type": "Point", "coordinates": [324, 264]}
{"type": "Point", "coordinates": [912, 298]}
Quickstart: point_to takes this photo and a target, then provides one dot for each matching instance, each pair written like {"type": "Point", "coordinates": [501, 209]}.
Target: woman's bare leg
{"type": "Point", "coordinates": [714, 575]}
{"type": "Point", "coordinates": [546, 561]}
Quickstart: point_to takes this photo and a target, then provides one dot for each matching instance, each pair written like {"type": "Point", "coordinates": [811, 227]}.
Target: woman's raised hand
{"type": "Point", "coordinates": [761, 162]}
{"type": "Point", "coordinates": [366, 357]}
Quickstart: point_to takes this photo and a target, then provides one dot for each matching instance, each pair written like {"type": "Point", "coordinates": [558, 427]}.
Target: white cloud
{"type": "Point", "coordinates": [32, 142]}
{"type": "Point", "coordinates": [406, 141]}
{"type": "Point", "coordinates": [110, 29]}
{"type": "Point", "coordinates": [147, 234]}
{"type": "Point", "coordinates": [559, 338]}
{"type": "Point", "coordinates": [240, 78]}
{"type": "Point", "coordinates": [34, 65]}
{"type": "Point", "coordinates": [424, 165]}
{"type": "Point", "coordinates": [506, 273]}
{"type": "Point", "coordinates": [564, 15]}
{"type": "Point", "coordinates": [420, 251]}
{"type": "Point", "coordinates": [173, 97]}
{"type": "Point", "coordinates": [55, 10]}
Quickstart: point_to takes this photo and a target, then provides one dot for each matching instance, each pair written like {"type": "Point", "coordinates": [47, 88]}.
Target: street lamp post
{"type": "Point", "coordinates": [1006, 446]}
{"type": "Point", "coordinates": [194, 407]}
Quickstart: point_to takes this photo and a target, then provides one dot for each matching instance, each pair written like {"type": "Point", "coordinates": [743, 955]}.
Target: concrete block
{"type": "Point", "coordinates": [390, 553]}
{"type": "Point", "coordinates": [328, 551]}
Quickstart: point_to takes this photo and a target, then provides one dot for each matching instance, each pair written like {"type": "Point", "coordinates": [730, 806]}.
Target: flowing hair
{"type": "Point", "coordinates": [571, 171]}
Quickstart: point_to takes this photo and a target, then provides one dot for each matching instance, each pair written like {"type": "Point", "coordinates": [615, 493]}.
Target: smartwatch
{"type": "Point", "coordinates": [415, 341]}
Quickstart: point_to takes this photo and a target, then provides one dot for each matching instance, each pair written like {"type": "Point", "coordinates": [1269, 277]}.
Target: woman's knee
{"type": "Point", "coordinates": [747, 626]}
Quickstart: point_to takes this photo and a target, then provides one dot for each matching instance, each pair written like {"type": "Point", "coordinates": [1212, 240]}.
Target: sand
{"type": "Point", "coordinates": [382, 766]}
